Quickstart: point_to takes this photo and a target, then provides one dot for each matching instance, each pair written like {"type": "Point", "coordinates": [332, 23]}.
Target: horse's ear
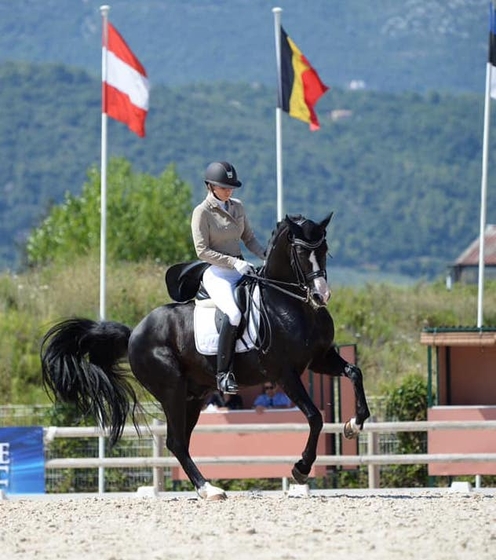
{"type": "Point", "coordinates": [325, 222]}
{"type": "Point", "coordinates": [293, 227]}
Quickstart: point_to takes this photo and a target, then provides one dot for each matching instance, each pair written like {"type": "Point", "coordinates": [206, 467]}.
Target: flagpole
{"type": "Point", "coordinates": [485, 151]}
{"type": "Point", "coordinates": [277, 31]}
{"type": "Point", "coordinates": [103, 169]}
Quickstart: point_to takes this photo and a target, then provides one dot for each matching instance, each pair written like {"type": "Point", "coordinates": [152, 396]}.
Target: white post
{"type": "Point", "coordinates": [101, 470]}
{"type": "Point", "coordinates": [482, 232]}
{"type": "Point", "coordinates": [372, 449]}
{"type": "Point", "coordinates": [104, 10]}
{"type": "Point", "coordinates": [158, 451]}
{"type": "Point", "coordinates": [485, 149]}
{"type": "Point", "coordinates": [103, 169]}
{"type": "Point", "coordinates": [277, 32]}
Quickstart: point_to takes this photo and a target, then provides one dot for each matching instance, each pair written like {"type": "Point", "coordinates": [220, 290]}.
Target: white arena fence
{"type": "Point", "coordinates": [370, 457]}
{"type": "Point", "coordinates": [138, 461]}
{"type": "Point", "coordinates": [130, 478]}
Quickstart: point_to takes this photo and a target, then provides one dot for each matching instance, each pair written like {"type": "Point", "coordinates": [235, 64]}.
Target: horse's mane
{"type": "Point", "coordinates": [276, 233]}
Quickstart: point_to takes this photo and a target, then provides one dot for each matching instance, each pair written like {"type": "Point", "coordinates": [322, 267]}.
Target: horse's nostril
{"type": "Point", "coordinates": [318, 299]}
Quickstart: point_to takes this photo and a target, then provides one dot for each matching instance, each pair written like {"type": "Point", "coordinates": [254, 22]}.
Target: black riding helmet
{"type": "Point", "coordinates": [222, 174]}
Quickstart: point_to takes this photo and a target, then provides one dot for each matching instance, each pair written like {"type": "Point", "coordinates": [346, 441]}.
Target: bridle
{"type": "Point", "coordinates": [291, 289]}
{"type": "Point", "coordinates": [303, 279]}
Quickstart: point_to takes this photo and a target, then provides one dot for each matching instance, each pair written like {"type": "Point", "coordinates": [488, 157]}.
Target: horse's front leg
{"type": "Point", "coordinates": [354, 426]}
{"type": "Point", "coordinates": [333, 364]}
{"type": "Point", "coordinates": [296, 391]}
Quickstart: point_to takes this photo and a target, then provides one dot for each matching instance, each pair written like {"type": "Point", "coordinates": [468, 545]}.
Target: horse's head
{"type": "Point", "coordinates": [304, 242]}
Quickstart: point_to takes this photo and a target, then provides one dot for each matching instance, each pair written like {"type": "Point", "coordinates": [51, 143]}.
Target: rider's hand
{"type": "Point", "coordinates": [243, 267]}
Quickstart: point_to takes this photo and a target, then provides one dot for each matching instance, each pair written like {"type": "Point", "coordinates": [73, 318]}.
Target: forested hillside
{"type": "Point", "coordinates": [401, 171]}
{"type": "Point", "coordinates": [392, 45]}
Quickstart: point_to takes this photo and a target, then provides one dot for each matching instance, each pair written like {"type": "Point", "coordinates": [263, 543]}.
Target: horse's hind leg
{"type": "Point", "coordinates": [159, 372]}
{"type": "Point", "coordinates": [182, 416]}
{"type": "Point", "coordinates": [179, 429]}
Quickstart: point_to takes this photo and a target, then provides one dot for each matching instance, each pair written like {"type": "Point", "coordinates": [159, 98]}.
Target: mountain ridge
{"type": "Point", "coordinates": [416, 45]}
{"type": "Point", "coordinates": [415, 127]}
{"type": "Point", "coordinates": [404, 184]}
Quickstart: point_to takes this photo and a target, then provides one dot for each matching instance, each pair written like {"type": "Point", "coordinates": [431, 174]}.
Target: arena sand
{"type": "Point", "coordinates": [420, 526]}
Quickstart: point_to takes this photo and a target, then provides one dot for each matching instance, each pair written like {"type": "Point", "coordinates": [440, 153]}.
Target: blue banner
{"type": "Point", "coordinates": [22, 460]}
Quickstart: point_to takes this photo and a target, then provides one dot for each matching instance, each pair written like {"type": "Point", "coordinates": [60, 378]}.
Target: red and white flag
{"type": "Point", "coordinates": [125, 87]}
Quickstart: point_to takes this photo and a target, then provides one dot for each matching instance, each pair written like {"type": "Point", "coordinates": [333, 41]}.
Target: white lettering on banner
{"type": "Point", "coordinates": [4, 464]}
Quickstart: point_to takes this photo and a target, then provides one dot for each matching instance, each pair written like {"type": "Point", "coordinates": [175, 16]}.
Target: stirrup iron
{"type": "Point", "coordinates": [226, 382]}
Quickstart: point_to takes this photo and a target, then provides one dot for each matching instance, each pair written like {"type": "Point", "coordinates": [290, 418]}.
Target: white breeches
{"type": "Point", "coordinates": [219, 283]}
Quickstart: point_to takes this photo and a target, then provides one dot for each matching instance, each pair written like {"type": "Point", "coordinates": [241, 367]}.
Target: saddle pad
{"type": "Point", "coordinates": [207, 337]}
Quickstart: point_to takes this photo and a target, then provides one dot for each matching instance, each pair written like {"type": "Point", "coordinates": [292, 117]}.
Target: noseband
{"type": "Point", "coordinates": [305, 279]}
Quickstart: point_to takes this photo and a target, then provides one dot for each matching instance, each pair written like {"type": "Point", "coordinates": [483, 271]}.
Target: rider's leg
{"type": "Point", "coordinates": [226, 382]}
{"type": "Point", "coordinates": [220, 283]}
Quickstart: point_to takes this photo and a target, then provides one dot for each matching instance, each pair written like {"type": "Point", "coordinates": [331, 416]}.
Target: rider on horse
{"type": "Point", "coordinates": [218, 225]}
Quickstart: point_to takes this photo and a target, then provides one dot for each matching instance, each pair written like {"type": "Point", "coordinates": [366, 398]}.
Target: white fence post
{"type": "Point", "coordinates": [158, 448]}
{"type": "Point", "coordinates": [101, 470]}
{"type": "Point", "coordinates": [372, 449]}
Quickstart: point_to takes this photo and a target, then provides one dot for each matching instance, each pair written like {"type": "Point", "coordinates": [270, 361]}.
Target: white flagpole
{"type": "Point", "coordinates": [277, 30]}
{"type": "Point", "coordinates": [103, 214]}
{"type": "Point", "coordinates": [103, 169]}
{"type": "Point", "coordinates": [485, 150]}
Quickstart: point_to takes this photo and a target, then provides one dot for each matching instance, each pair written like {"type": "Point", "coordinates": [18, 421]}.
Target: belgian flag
{"type": "Point", "coordinates": [300, 87]}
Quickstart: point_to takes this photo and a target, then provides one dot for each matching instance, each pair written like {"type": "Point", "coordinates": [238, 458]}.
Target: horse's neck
{"type": "Point", "coordinates": [278, 267]}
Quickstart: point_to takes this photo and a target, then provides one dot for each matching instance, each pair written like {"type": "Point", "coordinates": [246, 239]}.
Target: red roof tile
{"type": "Point", "coordinates": [470, 257]}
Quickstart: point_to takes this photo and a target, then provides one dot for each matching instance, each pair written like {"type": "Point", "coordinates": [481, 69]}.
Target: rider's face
{"type": "Point", "coordinates": [221, 193]}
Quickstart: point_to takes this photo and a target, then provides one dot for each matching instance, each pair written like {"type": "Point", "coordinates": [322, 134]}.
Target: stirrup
{"type": "Point", "coordinates": [226, 382]}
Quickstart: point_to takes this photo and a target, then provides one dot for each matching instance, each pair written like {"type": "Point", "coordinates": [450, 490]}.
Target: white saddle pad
{"type": "Point", "coordinates": [206, 335]}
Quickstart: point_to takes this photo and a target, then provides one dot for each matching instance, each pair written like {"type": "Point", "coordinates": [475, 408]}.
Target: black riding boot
{"type": "Point", "coordinates": [226, 382]}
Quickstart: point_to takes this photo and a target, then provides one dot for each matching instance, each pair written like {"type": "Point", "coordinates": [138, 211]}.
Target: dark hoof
{"type": "Point", "coordinates": [299, 477]}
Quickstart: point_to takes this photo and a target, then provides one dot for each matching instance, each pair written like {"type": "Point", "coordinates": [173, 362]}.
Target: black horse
{"type": "Point", "coordinates": [82, 359]}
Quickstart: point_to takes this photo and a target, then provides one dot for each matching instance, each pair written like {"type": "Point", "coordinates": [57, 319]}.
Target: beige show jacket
{"type": "Point", "coordinates": [217, 233]}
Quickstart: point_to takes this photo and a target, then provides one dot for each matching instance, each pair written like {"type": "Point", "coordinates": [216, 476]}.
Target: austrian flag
{"type": "Point", "coordinates": [125, 84]}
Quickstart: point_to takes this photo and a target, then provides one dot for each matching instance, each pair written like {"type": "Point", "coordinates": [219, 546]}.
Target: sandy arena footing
{"type": "Point", "coordinates": [337, 525]}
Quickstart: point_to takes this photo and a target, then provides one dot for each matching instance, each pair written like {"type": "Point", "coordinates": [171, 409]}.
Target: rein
{"type": "Point", "coordinates": [276, 284]}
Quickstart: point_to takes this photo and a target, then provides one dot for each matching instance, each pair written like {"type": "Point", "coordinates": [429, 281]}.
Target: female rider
{"type": "Point", "coordinates": [218, 225]}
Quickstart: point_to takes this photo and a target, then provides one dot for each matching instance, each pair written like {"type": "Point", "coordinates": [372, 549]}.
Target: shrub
{"type": "Point", "coordinates": [407, 402]}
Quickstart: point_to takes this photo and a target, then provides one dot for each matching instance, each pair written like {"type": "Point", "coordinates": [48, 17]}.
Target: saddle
{"type": "Point", "coordinates": [184, 283]}
{"type": "Point", "coordinates": [183, 280]}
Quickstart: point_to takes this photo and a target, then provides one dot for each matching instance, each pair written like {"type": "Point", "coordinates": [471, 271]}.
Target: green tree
{"type": "Point", "coordinates": [147, 218]}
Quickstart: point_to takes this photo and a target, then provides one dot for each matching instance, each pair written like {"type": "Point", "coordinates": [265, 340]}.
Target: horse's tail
{"type": "Point", "coordinates": [81, 363]}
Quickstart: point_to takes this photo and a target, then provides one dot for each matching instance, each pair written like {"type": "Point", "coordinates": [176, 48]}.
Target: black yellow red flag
{"type": "Point", "coordinates": [301, 86]}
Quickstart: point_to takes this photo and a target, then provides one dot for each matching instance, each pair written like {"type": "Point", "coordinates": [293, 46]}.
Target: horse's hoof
{"type": "Point", "coordinates": [299, 477]}
{"type": "Point", "coordinates": [211, 493]}
{"type": "Point", "coordinates": [351, 429]}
